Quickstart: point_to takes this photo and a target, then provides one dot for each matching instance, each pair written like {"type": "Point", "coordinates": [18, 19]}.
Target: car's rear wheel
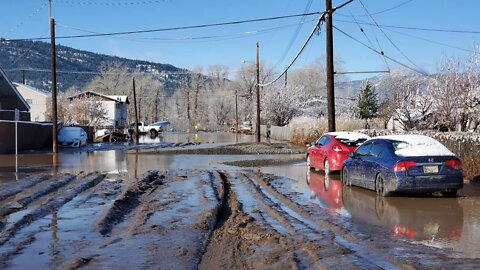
{"type": "Point", "coordinates": [309, 163]}
{"type": "Point", "coordinates": [449, 193]}
{"type": "Point", "coordinates": [380, 186]}
{"type": "Point", "coordinates": [326, 167]}
{"type": "Point", "coordinates": [153, 133]}
{"type": "Point", "coordinates": [345, 180]}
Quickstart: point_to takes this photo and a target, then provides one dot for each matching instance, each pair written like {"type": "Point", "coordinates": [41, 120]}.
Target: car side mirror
{"type": "Point", "coordinates": [351, 154]}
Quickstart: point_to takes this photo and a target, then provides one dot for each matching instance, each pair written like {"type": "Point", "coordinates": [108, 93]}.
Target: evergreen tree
{"type": "Point", "coordinates": [367, 102]}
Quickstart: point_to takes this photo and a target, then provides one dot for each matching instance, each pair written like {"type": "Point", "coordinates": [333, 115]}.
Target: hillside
{"type": "Point", "coordinates": [15, 55]}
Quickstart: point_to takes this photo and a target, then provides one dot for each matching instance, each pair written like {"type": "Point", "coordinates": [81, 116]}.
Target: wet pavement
{"type": "Point", "coordinates": [451, 224]}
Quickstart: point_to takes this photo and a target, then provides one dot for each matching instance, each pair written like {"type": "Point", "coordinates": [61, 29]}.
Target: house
{"type": "Point", "coordinates": [116, 107]}
{"type": "Point", "coordinates": [36, 99]}
{"type": "Point", "coordinates": [28, 135]}
{"type": "Point", "coordinates": [11, 100]}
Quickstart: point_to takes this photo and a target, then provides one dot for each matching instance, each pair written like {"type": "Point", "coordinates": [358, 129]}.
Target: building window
{"type": "Point", "coordinates": [29, 101]}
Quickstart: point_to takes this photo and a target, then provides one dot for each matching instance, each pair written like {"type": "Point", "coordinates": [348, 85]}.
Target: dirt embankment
{"type": "Point", "coordinates": [237, 149]}
{"type": "Point", "coordinates": [188, 219]}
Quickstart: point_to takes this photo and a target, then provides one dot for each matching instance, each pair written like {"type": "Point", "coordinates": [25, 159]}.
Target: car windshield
{"type": "Point", "coordinates": [348, 142]}
{"type": "Point", "coordinates": [70, 131]}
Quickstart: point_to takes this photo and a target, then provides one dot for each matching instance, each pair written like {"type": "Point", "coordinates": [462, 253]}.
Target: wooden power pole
{"type": "Point", "coordinates": [257, 86]}
{"type": "Point", "coordinates": [330, 70]}
{"type": "Point", "coordinates": [135, 108]}
{"type": "Point", "coordinates": [53, 64]}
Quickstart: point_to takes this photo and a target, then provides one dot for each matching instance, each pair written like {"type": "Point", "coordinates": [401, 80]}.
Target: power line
{"type": "Point", "coordinates": [431, 41]}
{"type": "Point", "coordinates": [173, 28]}
{"type": "Point", "coordinates": [371, 44]}
{"type": "Point", "coordinates": [388, 38]}
{"type": "Point", "coordinates": [196, 38]}
{"type": "Point", "coordinates": [374, 50]}
{"type": "Point", "coordinates": [94, 3]}
{"type": "Point", "coordinates": [317, 25]}
{"type": "Point", "coordinates": [417, 28]}
{"type": "Point", "coordinates": [380, 12]}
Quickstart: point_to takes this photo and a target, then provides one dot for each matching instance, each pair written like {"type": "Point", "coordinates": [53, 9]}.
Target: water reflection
{"type": "Point", "coordinates": [412, 218]}
{"type": "Point", "coordinates": [198, 137]}
{"type": "Point", "coordinates": [328, 189]}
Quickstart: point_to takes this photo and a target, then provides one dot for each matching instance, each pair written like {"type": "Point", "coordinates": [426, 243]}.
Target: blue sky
{"type": "Point", "coordinates": [231, 44]}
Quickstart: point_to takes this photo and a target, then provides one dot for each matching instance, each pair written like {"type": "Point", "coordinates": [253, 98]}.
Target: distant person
{"type": "Point", "coordinates": [269, 130]}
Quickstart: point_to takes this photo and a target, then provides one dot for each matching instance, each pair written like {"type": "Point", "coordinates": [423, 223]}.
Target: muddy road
{"type": "Point", "coordinates": [158, 210]}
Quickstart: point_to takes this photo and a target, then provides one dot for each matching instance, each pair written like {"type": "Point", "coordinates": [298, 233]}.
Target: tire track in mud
{"type": "Point", "coordinates": [13, 203]}
{"type": "Point", "coordinates": [81, 184]}
{"type": "Point", "coordinates": [127, 202]}
{"type": "Point", "coordinates": [239, 241]}
{"type": "Point", "coordinates": [355, 251]}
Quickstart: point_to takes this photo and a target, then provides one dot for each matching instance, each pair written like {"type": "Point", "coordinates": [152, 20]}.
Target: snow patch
{"type": "Point", "coordinates": [351, 136]}
{"type": "Point", "coordinates": [418, 146]}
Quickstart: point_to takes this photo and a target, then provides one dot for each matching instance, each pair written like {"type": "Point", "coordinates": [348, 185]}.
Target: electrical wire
{"type": "Point", "coordinates": [379, 12]}
{"type": "Point", "coordinates": [173, 28]}
{"type": "Point", "coordinates": [92, 72]}
{"type": "Point", "coordinates": [371, 44]}
{"type": "Point", "coordinates": [374, 50]}
{"type": "Point", "coordinates": [295, 35]}
{"type": "Point", "coordinates": [317, 26]}
{"type": "Point", "coordinates": [430, 41]}
{"type": "Point", "coordinates": [388, 38]}
{"type": "Point", "coordinates": [18, 25]}
{"type": "Point", "coordinates": [194, 38]}
{"type": "Point", "coordinates": [118, 3]}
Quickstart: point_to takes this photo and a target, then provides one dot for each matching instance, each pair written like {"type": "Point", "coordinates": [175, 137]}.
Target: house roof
{"type": "Point", "coordinates": [115, 98]}
{"type": "Point", "coordinates": [9, 92]}
{"type": "Point", "coordinates": [30, 88]}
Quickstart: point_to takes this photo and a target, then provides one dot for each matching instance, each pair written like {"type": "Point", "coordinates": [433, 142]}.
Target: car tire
{"type": "Point", "coordinates": [153, 133]}
{"type": "Point", "coordinates": [326, 167]}
{"type": "Point", "coordinates": [326, 183]}
{"type": "Point", "coordinates": [344, 177]}
{"type": "Point", "coordinates": [309, 163]}
{"type": "Point", "coordinates": [450, 193]}
{"type": "Point", "coordinates": [380, 186]}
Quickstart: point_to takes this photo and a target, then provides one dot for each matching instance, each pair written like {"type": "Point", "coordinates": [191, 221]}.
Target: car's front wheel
{"type": "Point", "coordinates": [309, 163]}
{"type": "Point", "coordinates": [153, 133]}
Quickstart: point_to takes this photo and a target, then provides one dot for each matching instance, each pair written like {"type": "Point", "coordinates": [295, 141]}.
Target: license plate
{"type": "Point", "coordinates": [430, 169]}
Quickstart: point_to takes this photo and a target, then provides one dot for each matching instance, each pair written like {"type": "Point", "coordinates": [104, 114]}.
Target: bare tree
{"type": "Point", "coordinates": [280, 104]}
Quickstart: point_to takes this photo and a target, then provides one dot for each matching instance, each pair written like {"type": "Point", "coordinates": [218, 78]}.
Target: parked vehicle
{"type": "Point", "coordinates": [72, 137]}
{"type": "Point", "coordinates": [330, 150]}
{"type": "Point", "coordinates": [152, 129]}
{"type": "Point", "coordinates": [246, 127]}
{"type": "Point", "coordinates": [404, 163]}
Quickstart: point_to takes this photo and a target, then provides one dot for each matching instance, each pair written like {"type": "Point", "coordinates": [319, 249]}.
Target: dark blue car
{"type": "Point", "coordinates": [404, 163]}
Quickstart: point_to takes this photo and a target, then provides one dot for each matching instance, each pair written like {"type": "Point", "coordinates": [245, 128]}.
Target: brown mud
{"type": "Point", "coordinates": [187, 219]}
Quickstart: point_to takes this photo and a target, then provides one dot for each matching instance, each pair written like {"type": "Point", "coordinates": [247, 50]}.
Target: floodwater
{"type": "Point", "coordinates": [448, 223]}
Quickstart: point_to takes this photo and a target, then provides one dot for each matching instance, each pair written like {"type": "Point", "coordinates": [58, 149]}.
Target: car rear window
{"type": "Point", "coordinates": [348, 142]}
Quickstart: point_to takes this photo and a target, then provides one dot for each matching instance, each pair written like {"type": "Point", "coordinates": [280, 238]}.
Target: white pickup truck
{"type": "Point", "coordinates": [153, 129]}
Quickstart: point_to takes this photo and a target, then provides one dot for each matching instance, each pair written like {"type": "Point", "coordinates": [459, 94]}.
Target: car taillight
{"type": "Point", "coordinates": [455, 164]}
{"type": "Point", "coordinates": [403, 166]}
{"type": "Point", "coordinates": [337, 148]}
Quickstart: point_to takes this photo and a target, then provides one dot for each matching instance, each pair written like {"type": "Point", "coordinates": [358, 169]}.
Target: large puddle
{"type": "Point", "coordinates": [452, 223]}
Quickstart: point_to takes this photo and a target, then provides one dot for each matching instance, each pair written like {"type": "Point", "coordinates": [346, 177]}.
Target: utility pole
{"type": "Point", "coordinates": [236, 110]}
{"type": "Point", "coordinates": [286, 72]}
{"type": "Point", "coordinates": [53, 64]}
{"type": "Point", "coordinates": [136, 113]}
{"type": "Point", "coordinates": [24, 80]}
{"type": "Point", "coordinates": [330, 72]}
{"type": "Point", "coordinates": [257, 86]}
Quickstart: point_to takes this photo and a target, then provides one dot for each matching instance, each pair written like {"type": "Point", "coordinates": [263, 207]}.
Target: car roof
{"type": "Point", "coordinates": [416, 145]}
{"type": "Point", "coordinates": [352, 136]}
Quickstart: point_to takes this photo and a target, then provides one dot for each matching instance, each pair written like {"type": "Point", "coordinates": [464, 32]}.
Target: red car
{"type": "Point", "coordinates": [330, 151]}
